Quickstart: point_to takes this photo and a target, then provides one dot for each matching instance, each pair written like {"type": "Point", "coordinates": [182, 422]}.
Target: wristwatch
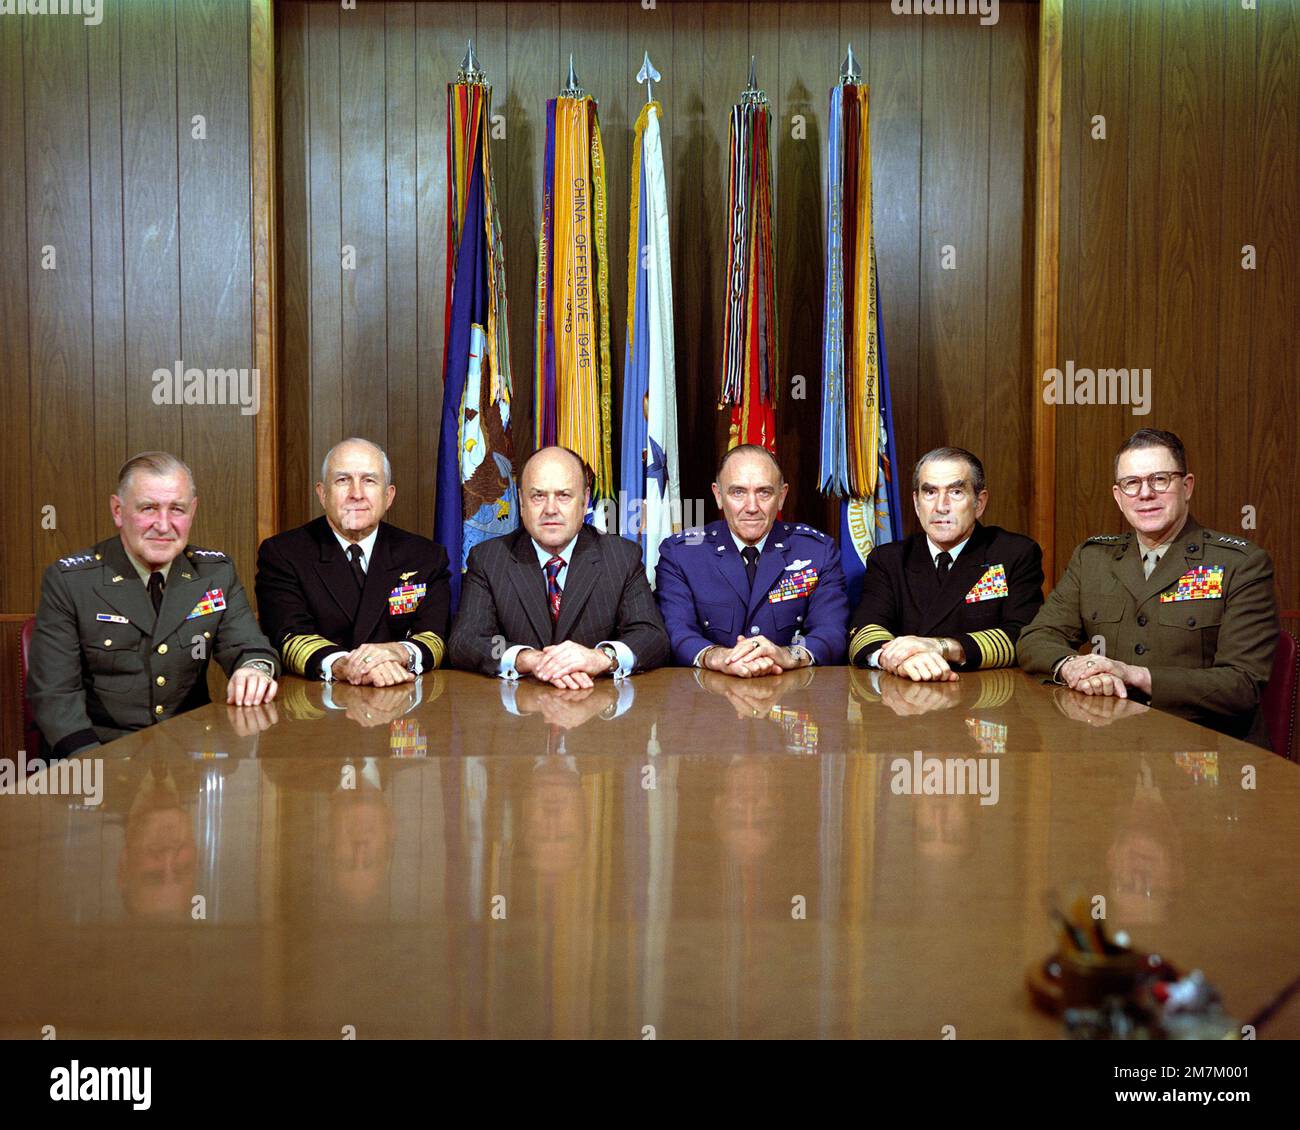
{"type": "Point", "coordinates": [608, 650]}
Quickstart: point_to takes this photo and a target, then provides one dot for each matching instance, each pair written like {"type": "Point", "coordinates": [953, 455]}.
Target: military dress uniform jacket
{"type": "Point", "coordinates": [605, 597]}
{"type": "Point", "coordinates": [706, 600]}
{"type": "Point", "coordinates": [1204, 623]}
{"type": "Point", "coordinates": [990, 593]}
{"type": "Point", "coordinates": [309, 603]}
{"type": "Point", "coordinates": [102, 664]}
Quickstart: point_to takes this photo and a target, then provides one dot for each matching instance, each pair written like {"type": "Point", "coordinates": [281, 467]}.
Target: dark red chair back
{"type": "Point", "coordinates": [1278, 701]}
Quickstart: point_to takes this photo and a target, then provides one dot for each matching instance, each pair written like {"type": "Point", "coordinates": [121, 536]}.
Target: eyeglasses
{"type": "Point", "coordinates": [1160, 482]}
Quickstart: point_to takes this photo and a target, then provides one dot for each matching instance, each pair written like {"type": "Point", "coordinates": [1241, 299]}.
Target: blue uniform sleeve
{"type": "Point", "coordinates": [827, 619]}
{"type": "Point", "coordinates": [677, 607]}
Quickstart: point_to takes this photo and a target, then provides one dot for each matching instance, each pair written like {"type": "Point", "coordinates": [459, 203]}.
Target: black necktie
{"type": "Point", "coordinates": [942, 563]}
{"type": "Point", "coordinates": [156, 584]}
{"type": "Point", "coordinates": [354, 555]}
{"type": "Point", "coordinates": [750, 554]}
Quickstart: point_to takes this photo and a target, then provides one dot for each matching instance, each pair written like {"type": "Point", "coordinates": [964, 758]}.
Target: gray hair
{"type": "Point", "coordinates": [153, 463]}
{"type": "Point", "coordinates": [940, 453]}
{"type": "Point", "coordinates": [325, 463]}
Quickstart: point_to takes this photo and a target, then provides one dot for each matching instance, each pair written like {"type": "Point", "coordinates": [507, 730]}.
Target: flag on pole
{"type": "Point", "coordinates": [749, 342]}
{"type": "Point", "coordinates": [573, 375]}
{"type": "Point", "coordinates": [476, 497]}
{"type": "Point", "coordinates": [857, 427]}
{"type": "Point", "coordinates": [649, 473]}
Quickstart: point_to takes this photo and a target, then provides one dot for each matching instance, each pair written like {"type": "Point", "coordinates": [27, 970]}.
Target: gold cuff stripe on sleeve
{"type": "Point", "coordinates": [297, 651]}
{"type": "Point", "coordinates": [433, 642]}
{"type": "Point", "coordinates": [866, 636]}
{"type": "Point", "coordinates": [995, 648]}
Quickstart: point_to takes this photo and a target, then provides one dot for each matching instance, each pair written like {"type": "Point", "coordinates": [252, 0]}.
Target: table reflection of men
{"type": "Point", "coordinates": [554, 816]}
{"type": "Point", "coordinates": [748, 809]}
{"type": "Point", "coordinates": [155, 871]}
{"type": "Point", "coordinates": [361, 836]}
{"type": "Point", "coordinates": [1144, 860]}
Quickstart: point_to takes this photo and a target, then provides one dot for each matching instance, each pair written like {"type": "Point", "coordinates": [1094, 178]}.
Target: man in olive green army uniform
{"type": "Point", "coordinates": [1187, 616]}
{"type": "Point", "coordinates": [125, 629]}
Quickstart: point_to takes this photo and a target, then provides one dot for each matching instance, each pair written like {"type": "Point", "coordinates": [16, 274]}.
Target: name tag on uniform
{"type": "Point", "coordinates": [109, 618]}
{"type": "Point", "coordinates": [404, 599]}
{"type": "Point", "coordinates": [794, 586]}
{"type": "Point", "coordinates": [1205, 582]}
{"type": "Point", "coordinates": [990, 586]}
{"type": "Point", "coordinates": [214, 600]}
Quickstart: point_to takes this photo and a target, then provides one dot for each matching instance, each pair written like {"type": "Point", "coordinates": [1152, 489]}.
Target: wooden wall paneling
{"type": "Point", "coordinates": [268, 426]}
{"type": "Point", "coordinates": [405, 446]}
{"type": "Point", "coordinates": [1099, 315]}
{"type": "Point", "coordinates": [1046, 292]}
{"type": "Point", "coordinates": [1010, 383]}
{"type": "Point", "coordinates": [955, 124]}
{"type": "Point", "coordinates": [62, 352]}
{"type": "Point", "coordinates": [104, 77]}
{"type": "Point", "coordinates": [893, 65]}
{"type": "Point", "coordinates": [808, 55]}
{"type": "Point", "coordinates": [362, 97]}
{"type": "Point", "coordinates": [150, 217]}
{"type": "Point", "coordinates": [325, 301]}
{"type": "Point", "coordinates": [19, 524]}
{"type": "Point", "coordinates": [216, 265]}
{"type": "Point", "coordinates": [1184, 375]}
{"type": "Point", "coordinates": [1274, 408]}
{"type": "Point", "coordinates": [297, 472]}
{"type": "Point", "coordinates": [1221, 500]}
{"type": "Point", "coordinates": [441, 33]}
{"type": "Point", "coordinates": [534, 75]}
{"type": "Point", "coordinates": [1142, 239]}
{"type": "Point", "coordinates": [11, 704]}
{"type": "Point", "coordinates": [1065, 493]}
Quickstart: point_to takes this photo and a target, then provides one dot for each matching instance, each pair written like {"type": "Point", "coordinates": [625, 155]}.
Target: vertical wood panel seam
{"type": "Point", "coordinates": [27, 259]}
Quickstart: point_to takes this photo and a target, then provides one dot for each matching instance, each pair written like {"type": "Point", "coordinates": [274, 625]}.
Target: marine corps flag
{"type": "Point", "coordinates": [650, 481]}
{"type": "Point", "coordinates": [573, 402]}
{"type": "Point", "coordinates": [857, 423]}
{"type": "Point", "coordinates": [476, 497]}
{"type": "Point", "coordinates": [749, 323]}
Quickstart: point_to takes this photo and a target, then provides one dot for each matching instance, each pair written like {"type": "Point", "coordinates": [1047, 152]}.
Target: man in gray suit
{"type": "Point", "coordinates": [555, 599]}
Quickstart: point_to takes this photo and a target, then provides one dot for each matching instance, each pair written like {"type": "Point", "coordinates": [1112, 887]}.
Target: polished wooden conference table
{"type": "Point", "coordinates": [687, 855]}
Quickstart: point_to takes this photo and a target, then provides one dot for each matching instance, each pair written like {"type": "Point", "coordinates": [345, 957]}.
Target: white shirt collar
{"type": "Point", "coordinates": [544, 555]}
{"type": "Point", "coordinates": [367, 545]}
{"type": "Point", "coordinates": [758, 545]}
{"type": "Point", "coordinates": [956, 549]}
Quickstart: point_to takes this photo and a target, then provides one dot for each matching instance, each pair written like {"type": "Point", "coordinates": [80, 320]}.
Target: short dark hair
{"type": "Point", "coordinates": [970, 459]}
{"type": "Point", "coordinates": [1154, 437]}
{"type": "Point", "coordinates": [748, 449]}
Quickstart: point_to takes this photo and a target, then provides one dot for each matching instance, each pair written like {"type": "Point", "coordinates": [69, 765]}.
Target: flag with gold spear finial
{"type": "Point", "coordinates": [857, 428]}
{"type": "Point", "coordinates": [573, 375]}
{"type": "Point", "coordinates": [749, 340]}
{"type": "Point", "coordinates": [476, 497]}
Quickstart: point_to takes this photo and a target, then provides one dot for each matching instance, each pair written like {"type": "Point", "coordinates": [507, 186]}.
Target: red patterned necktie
{"type": "Point", "coordinates": [553, 590]}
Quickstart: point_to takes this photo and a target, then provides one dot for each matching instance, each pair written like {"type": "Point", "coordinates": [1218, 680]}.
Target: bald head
{"type": "Point", "coordinates": [553, 496]}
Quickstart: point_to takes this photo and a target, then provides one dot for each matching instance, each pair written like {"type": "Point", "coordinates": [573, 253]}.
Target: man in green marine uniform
{"type": "Point", "coordinates": [125, 629]}
{"type": "Point", "coordinates": [1179, 617]}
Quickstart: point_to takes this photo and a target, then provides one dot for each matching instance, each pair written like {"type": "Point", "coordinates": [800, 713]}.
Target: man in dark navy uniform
{"type": "Point", "coordinates": [348, 597]}
{"type": "Point", "coordinates": [954, 596]}
{"type": "Point", "coordinates": [751, 595]}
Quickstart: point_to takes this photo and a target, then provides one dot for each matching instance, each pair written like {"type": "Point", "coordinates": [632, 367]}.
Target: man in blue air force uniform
{"type": "Point", "coordinates": [750, 595]}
